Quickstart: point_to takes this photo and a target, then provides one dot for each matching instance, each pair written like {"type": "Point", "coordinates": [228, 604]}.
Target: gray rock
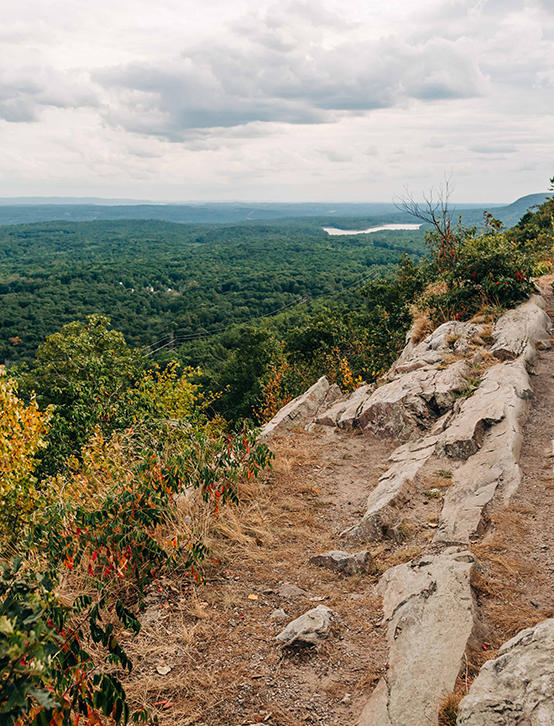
{"type": "Point", "coordinates": [517, 688]}
{"type": "Point", "coordinates": [301, 410]}
{"type": "Point", "coordinates": [408, 405]}
{"type": "Point", "coordinates": [330, 415]}
{"type": "Point", "coordinates": [344, 563]}
{"type": "Point", "coordinates": [398, 409]}
{"type": "Point", "coordinates": [394, 489]}
{"type": "Point", "coordinates": [289, 591]}
{"type": "Point", "coordinates": [502, 387]}
{"type": "Point", "coordinates": [278, 615]}
{"type": "Point", "coordinates": [311, 628]}
{"type": "Point", "coordinates": [430, 616]}
{"type": "Point", "coordinates": [517, 331]}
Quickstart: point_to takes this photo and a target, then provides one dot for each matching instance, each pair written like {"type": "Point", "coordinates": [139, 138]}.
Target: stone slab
{"type": "Point", "coordinates": [517, 331]}
{"type": "Point", "coordinates": [394, 489]}
{"type": "Point", "coordinates": [430, 616]}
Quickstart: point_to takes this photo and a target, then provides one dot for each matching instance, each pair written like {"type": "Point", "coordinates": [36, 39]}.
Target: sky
{"type": "Point", "coordinates": [256, 100]}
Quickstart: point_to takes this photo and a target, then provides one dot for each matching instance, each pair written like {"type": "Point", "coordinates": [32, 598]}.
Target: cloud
{"type": "Point", "coordinates": [26, 92]}
{"type": "Point", "coordinates": [492, 149]}
{"type": "Point", "coordinates": [280, 68]}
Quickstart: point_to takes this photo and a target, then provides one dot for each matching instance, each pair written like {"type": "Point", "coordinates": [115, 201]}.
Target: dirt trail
{"type": "Point", "coordinates": [516, 582]}
{"type": "Point", "coordinates": [218, 639]}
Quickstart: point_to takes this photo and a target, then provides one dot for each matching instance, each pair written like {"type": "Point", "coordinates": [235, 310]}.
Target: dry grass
{"type": "Point", "coordinates": [422, 325]}
{"type": "Point", "coordinates": [506, 572]}
{"type": "Point", "coordinates": [225, 666]}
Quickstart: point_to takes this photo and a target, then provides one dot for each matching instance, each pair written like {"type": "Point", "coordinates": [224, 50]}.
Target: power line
{"type": "Point", "coordinates": [187, 337]}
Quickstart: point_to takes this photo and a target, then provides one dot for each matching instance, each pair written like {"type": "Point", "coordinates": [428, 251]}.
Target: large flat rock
{"type": "Point", "coordinates": [430, 616]}
{"type": "Point", "coordinates": [517, 331]}
{"type": "Point", "coordinates": [494, 468]}
{"type": "Point", "coordinates": [517, 688]}
{"type": "Point", "coordinates": [504, 391]}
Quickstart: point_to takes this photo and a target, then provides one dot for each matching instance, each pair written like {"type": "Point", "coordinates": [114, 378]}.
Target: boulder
{"type": "Point", "coordinates": [410, 403]}
{"type": "Point", "coordinates": [430, 617]}
{"type": "Point", "coordinates": [398, 409]}
{"type": "Point", "coordinates": [303, 409]}
{"type": "Point", "coordinates": [310, 628]}
{"type": "Point", "coordinates": [517, 331]}
{"type": "Point", "coordinates": [344, 563]}
{"type": "Point", "coordinates": [517, 688]}
{"type": "Point", "coordinates": [330, 415]}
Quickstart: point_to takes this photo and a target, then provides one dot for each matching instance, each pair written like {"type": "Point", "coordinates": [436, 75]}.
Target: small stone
{"type": "Point", "coordinates": [288, 590]}
{"type": "Point", "coordinates": [278, 615]}
{"type": "Point", "coordinates": [310, 628]}
{"type": "Point", "coordinates": [347, 699]}
{"type": "Point", "coordinates": [343, 562]}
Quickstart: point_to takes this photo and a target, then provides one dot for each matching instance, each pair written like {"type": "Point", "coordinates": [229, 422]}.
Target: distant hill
{"type": "Point", "coordinates": [25, 210]}
{"type": "Point", "coordinates": [509, 214]}
{"type": "Point", "coordinates": [47, 210]}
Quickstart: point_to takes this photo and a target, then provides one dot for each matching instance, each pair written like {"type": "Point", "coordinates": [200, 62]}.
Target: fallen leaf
{"type": "Point", "coordinates": [252, 597]}
{"type": "Point", "coordinates": [317, 598]}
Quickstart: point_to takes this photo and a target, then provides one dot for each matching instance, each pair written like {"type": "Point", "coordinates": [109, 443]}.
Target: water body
{"type": "Point", "coordinates": [334, 232]}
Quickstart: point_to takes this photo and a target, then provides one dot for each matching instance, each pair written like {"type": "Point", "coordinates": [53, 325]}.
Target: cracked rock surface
{"type": "Point", "coordinates": [517, 688]}
{"type": "Point", "coordinates": [430, 616]}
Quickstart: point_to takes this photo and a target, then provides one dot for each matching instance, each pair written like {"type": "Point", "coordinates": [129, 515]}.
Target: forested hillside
{"type": "Point", "coordinates": [155, 278]}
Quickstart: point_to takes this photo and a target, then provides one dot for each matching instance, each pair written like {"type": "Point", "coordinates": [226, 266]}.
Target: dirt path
{"type": "Point", "coordinates": [515, 583]}
{"type": "Point", "coordinates": [218, 639]}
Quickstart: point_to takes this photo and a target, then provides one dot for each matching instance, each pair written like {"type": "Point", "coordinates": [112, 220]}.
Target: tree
{"type": "Point", "coordinates": [83, 372]}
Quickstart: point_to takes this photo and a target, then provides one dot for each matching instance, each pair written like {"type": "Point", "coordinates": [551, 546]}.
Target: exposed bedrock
{"type": "Point", "coordinates": [343, 412]}
{"type": "Point", "coordinates": [409, 405]}
{"type": "Point", "coordinates": [517, 331]}
{"type": "Point", "coordinates": [503, 393]}
{"type": "Point", "coordinates": [303, 409]}
{"type": "Point", "coordinates": [453, 335]}
{"type": "Point", "coordinates": [517, 688]}
{"type": "Point", "coordinates": [394, 489]}
{"type": "Point", "coordinates": [430, 616]}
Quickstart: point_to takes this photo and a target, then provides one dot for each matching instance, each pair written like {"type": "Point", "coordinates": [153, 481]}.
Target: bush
{"type": "Point", "coordinates": [485, 268]}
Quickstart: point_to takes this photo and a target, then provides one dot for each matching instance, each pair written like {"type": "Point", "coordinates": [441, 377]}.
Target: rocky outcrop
{"type": "Point", "coordinates": [393, 490]}
{"type": "Point", "coordinates": [304, 409]}
{"type": "Point", "coordinates": [430, 616]}
{"type": "Point", "coordinates": [517, 331]}
{"type": "Point", "coordinates": [409, 405]}
{"type": "Point", "coordinates": [503, 393]}
{"type": "Point", "coordinates": [517, 688]}
{"type": "Point", "coordinates": [343, 413]}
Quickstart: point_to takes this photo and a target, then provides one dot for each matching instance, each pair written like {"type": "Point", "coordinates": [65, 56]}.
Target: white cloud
{"type": "Point", "coordinates": [305, 99]}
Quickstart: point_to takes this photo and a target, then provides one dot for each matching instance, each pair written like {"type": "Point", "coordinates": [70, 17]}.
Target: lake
{"type": "Point", "coordinates": [334, 232]}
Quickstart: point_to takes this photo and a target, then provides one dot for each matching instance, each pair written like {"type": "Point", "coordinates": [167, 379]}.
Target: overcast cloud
{"type": "Point", "coordinates": [302, 100]}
